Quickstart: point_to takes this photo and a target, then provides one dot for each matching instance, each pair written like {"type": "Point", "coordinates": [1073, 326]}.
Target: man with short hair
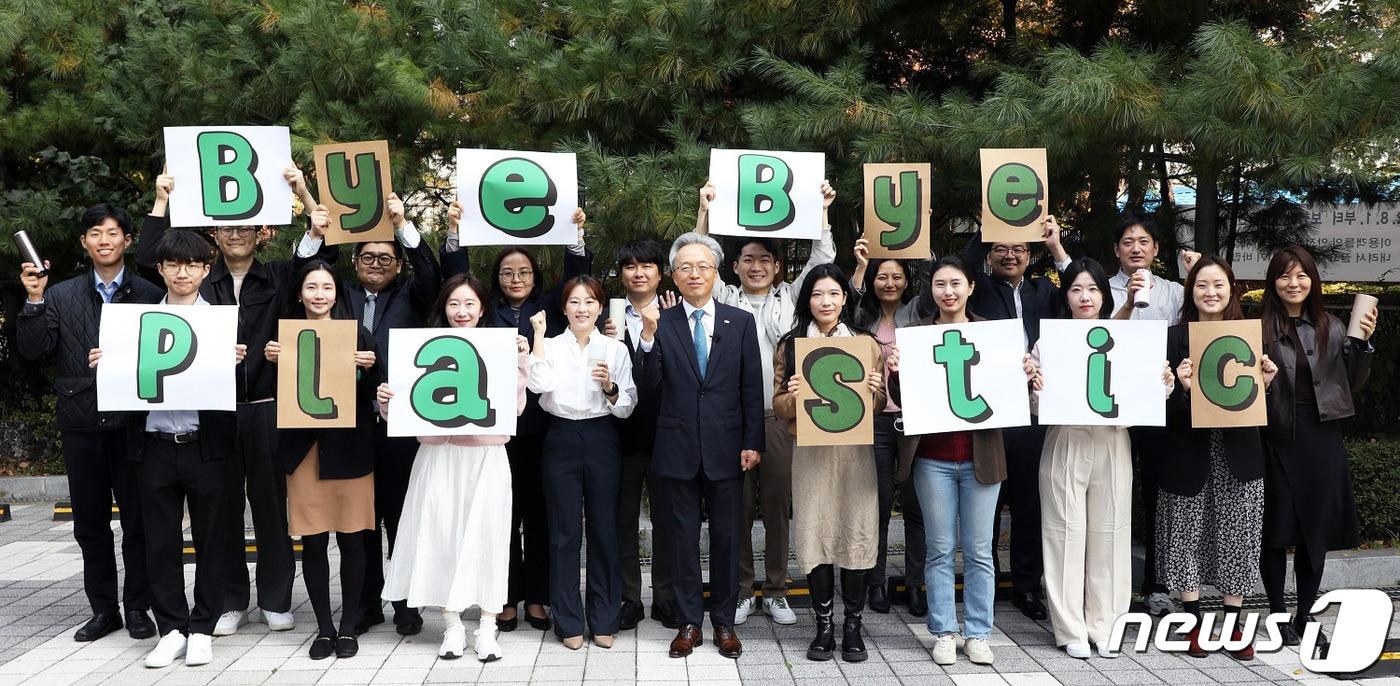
{"type": "Point", "coordinates": [764, 294]}
{"type": "Point", "coordinates": [64, 321]}
{"type": "Point", "coordinates": [703, 357]}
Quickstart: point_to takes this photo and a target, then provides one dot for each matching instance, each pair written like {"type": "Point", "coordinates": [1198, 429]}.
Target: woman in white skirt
{"type": "Point", "coordinates": [1086, 496]}
{"type": "Point", "coordinates": [453, 548]}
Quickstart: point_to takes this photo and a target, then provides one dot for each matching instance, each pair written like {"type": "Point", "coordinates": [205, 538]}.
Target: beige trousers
{"type": "Point", "coordinates": [1086, 513]}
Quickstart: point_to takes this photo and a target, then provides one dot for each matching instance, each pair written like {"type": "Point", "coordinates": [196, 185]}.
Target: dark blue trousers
{"type": "Point", "coordinates": [582, 470]}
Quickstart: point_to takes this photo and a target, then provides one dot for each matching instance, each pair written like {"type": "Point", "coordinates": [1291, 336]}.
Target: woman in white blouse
{"type": "Point", "coordinates": [584, 379]}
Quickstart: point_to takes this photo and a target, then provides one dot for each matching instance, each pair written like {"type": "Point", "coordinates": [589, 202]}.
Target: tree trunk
{"type": "Point", "coordinates": [1008, 20]}
{"type": "Point", "coordinates": [1234, 214]}
{"type": "Point", "coordinates": [1200, 11]}
{"type": "Point", "coordinates": [1207, 209]}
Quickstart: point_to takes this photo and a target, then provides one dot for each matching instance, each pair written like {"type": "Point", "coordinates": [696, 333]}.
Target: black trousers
{"type": "Point", "coordinates": [886, 472]}
{"type": "Point", "coordinates": [1145, 478]}
{"type": "Point", "coordinates": [172, 475]}
{"type": "Point", "coordinates": [98, 471]}
{"type": "Point", "coordinates": [1021, 493]}
{"type": "Point", "coordinates": [254, 465]}
{"type": "Point", "coordinates": [393, 464]}
{"type": "Point", "coordinates": [723, 503]}
{"type": "Point", "coordinates": [582, 470]}
{"type": "Point", "coordinates": [529, 525]}
{"type": "Point", "coordinates": [629, 515]}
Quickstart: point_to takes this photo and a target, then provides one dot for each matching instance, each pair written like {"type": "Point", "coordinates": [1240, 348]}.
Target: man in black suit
{"type": "Point", "coordinates": [704, 358]}
{"type": "Point", "coordinates": [1007, 293]}
{"type": "Point", "coordinates": [383, 302]}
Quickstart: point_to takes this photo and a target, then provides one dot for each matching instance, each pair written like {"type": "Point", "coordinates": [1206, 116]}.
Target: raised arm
{"type": "Point", "coordinates": [426, 279]}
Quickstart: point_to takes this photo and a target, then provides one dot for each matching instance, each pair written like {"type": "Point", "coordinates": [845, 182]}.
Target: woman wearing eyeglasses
{"type": "Point", "coordinates": [515, 298]}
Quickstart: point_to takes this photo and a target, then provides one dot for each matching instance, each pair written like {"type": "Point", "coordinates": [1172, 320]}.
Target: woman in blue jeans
{"type": "Point", "coordinates": [958, 477]}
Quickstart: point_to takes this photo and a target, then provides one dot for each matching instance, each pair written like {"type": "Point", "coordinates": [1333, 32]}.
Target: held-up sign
{"type": "Point", "coordinates": [767, 193]}
{"type": "Point", "coordinates": [1103, 372]}
{"type": "Point", "coordinates": [316, 373]}
{"type": "Point", "coordinates": [834, 406]}
{"type": "Point", "coordinates": [167, 357]}
{"type": "Point", "coordinates": [898, 198]}
{"type": "Point", "coordinates": [1227, 382]}
{"type": "Point", "coordinates": [452, 382]}
{"type": "Point", "coordinates": [959, 377]}
{"type": "Point", "coordinates": [352, 181]}
{"type": "Point", "coordinates": [1014, 191]}
{"type": "Point", "coordinates": [513, 197]}
{"type": "Point", "coordinates": [229, 175]}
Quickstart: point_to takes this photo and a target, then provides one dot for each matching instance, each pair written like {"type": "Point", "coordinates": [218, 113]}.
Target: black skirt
{"type": "Point", "coordinates": [1308, 496]}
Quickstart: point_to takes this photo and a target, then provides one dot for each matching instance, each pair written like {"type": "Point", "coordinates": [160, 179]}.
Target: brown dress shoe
{"type": "Point", "coordinates": [685, 641]}
{"type": "Point", "coordinates": [728, 644]}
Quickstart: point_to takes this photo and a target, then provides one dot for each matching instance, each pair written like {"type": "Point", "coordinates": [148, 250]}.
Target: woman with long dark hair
{"type": "Point", "coordinates": [1210, 505]}
{"type": "Point", "coordinates": [454, 534]}
{"type": "Point", "coordinates": [834, 519]}
{"type": "Point", "coordinates": [330, 482]}
{"type": "Point", "coordinates": [1308, 502]}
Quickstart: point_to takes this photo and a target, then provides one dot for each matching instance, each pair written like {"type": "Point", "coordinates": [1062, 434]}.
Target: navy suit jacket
{"type": "Point", "coordinates": [704, 423]}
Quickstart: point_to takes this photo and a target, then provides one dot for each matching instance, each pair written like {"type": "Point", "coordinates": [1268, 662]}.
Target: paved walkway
{"type": "Point", "coordinates": [42, 603]}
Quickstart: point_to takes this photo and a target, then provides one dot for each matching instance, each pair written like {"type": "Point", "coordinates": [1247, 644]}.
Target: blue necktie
{"type": "Point", "coordinates": [702, 344]}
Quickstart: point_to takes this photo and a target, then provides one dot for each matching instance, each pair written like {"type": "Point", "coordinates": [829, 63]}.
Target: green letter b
{"type": "Point", "coordinates": [764, 203]}
{"type": "Point", "coordinates": [227, 162]}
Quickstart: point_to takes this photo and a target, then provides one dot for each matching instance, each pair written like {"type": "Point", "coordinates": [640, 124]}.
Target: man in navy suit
{"type": "Point", "coordinates": [709, 431]}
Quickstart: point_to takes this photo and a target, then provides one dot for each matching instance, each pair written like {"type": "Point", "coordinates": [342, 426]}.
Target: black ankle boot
{"type": "Point", "coordinates": [853, 600]}
{"type": "Point", "coordinates": [822, 584]}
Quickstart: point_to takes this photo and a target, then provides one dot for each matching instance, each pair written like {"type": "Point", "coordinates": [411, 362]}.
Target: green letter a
{"type": "Point", "coordinates": [453, 391]}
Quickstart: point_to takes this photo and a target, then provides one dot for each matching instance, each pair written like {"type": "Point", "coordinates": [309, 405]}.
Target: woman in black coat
{"type": "Point", "coordinates": [1308, 501]}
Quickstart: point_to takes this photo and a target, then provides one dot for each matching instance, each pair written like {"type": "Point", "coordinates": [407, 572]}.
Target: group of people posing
{"type": "Point", "coordinates": [691, 396]}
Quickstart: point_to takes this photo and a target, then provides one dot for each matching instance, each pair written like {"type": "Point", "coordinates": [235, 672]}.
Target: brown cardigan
{"type": "Point", "coordinates": [988, 450]}
{"type": "Point", "coordinates": [785, 404]}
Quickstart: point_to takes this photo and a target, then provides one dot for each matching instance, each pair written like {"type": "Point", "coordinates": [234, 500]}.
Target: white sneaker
{"type": "Point", "coordinates": [229, 623]}
{"type": "Point", "coordinates": [978, 651]}
{"type": "Point", "coordinates": [1158, 604]}
{"type": "Point", "coordinates": [742, 610]}
{"type": "Point", "coordinates": [1104, 652]}
{"type": "Point", "coordinates": [945, 649]}
{"type": "Point", "coordinates": [199, 650]}
{"type": "Point", "coordinates": [454, 642]}
{"type": "Point", "coordinates": [487, 649]}
{"type": "Point", "coordinates": [279, 621]}
{"type": "Point", "coordinates": [1079, 650]}
{"type": "Point", "coordinates": [778, 609]}
{"type": "Point", "coordinates": [170, 649]}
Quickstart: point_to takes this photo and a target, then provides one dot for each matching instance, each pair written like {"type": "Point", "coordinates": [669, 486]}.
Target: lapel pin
{"type": "Point", "coordinates": [726, 321]}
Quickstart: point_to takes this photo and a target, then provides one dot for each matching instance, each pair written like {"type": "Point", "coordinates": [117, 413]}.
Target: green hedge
{"type": "Point", "coordinates": [1375, 471]}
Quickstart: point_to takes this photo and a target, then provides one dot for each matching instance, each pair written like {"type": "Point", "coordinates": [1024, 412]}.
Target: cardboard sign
{"type": "Point", "coordinates": [1103, 372]}
{"type": "Point", "coordinates": [1227, 384]}
{"type": "Point", "coordinates": [511, 197]}
{"type": "Point", "coordinates": [229, 175]}
{"type": "Point", "coordinates": [898, 203]}
{"type": "Point", "coordinates": [353, 182]}
{"type": "Point", "coordinates": [767, 193]}
{"type": "Point", "coordinates": [452, 382]}
{"type": "Point", "coordinates": [835, 406]}
{"type": "Point", "coordinates": [1015, 187]}
{"type": "Point", "coordinates": [316, 373]}
{"type": "Point", "coordinates": [960, 377]}
{"type": "Point", "coordinates": [167, 357]}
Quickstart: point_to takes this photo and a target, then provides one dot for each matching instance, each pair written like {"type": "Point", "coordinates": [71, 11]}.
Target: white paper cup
{"type": "Point", "coordinates": [1359, 307]}
{"type": "Point", "coordinates": [617, 314]}
{"type": "Point", "coordinates": [1143, 298]}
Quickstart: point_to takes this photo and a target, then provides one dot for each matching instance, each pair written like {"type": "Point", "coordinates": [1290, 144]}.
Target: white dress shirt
{"type": "Point", "coordinates": [632, 318]}
{"type": "Point", "coordinates": [563, 376]}
{"type": "Point", "coordinates": [1164, 299]}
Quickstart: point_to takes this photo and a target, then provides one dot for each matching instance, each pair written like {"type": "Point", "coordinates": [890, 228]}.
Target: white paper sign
{"type": "Point", "coordinates": [1103, 372]}
{"type": "Point", "coordinates": [767, 193]}
{"type": "Point", "coordinates": [959, 377]}
{"type": "Point", "coordinates": [229, 175]}
{"type": "Point", "coordinates": [453, 382]}
{"type": "Point", "coordinates": [167, 357]}
{"type": "Point", "coordinates": [514, 197]}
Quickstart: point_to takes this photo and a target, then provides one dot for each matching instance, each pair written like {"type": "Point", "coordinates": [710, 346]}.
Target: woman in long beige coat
{"type": "Point", "coordinates": [835, 513]}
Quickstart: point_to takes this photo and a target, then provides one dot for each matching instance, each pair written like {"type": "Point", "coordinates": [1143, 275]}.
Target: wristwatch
{"type": "Point", "coordinates": [612, 390]}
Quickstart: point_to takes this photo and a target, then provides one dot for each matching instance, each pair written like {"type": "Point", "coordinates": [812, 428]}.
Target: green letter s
{"type": "Point", "coordinates": [837, 407]}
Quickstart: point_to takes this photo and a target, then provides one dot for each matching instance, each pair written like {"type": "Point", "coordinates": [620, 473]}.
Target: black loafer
{"type": "Point", "coordinates": [666, 614]}
{"type": "Point", "coordinates": [630, 615]}
{"type": "Point", "coordinates": [346, 646]}
{"type": "Point", "coordinates": [408, 621]}
{"type": "Point", "coordinates": [1289, 634]}
{"type": "Point", "coordinates": [101, 624]}
{"type": "Point", "coordinates": [918, 601]}
{"type": "Point", "coordinates": [322, 647]}
{"type": "Point", "coordinates": [541, 623]}
{"type": "Point", "coordinates": [505, 625]}
{"type": "Point", "coordinates": [1030, 605]}
{"type": "Point", "coordinates": [138, 625]}
{"type": "Point", "coordinates": [368, 619]}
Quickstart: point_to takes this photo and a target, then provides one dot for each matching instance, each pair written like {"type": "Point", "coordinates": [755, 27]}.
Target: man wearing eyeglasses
{"type": "Point", "coordinates": [256, 287]}
{"type": "Point", "coordinates": [1005, 292]}
{"type": "Point", "coordinates": [382, 302]}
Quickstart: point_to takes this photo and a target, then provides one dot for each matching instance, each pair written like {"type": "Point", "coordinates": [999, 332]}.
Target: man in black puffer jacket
{"type": "Point", "coordinates": [64, 320]}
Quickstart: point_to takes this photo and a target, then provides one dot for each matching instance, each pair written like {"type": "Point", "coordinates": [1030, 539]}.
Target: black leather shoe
{"type": "Point", "coordinates": [1030, 605]}
{"type": "Point", "coordinates": [1320, 648]}
{"type": "Point", "coordinates": [666, 614]}
{"type": "Point", "coordinates": [918, 601]}
{"type": "Point", "coordinates": [879, 600]}
{"type": "Point", "coordinates": [346, 646]}
{"type": "Point", "coordinates": [322, 647]}
{"type": "Point", "coordinates": [138, 625]}
{"type": "Point", "coordinates": [631, 614]}
{"type": "Point", "coordinates": [369, 618]}
{"type": "Point", "coordinates": [1289, 634]}
{"type": "Point", "coordinates": [541, 623]}
{"type": "Point", "coordinates": [100, 625]}
{"type": "Point", "coordinates": [407, 621]}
